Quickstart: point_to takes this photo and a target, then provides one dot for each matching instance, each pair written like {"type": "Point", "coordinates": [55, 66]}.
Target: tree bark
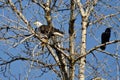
{"type": "Point", "coordinates": [71, 41]}
{"type": "Point", "coordinates": [83, 51]}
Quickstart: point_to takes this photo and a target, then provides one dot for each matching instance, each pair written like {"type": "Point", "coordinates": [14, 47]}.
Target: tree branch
{"type": "Point", "coordinates": [91, 7]}
{"type": "Point", "coordinates": [27, 59]}
{"type": "Point", "coordinates": [107, 53]}
{"type": "Point", "coordinates": [81, 9]}
{"type": "Point", "coordinates": [21, 16]}
{"type": "Point", "coordinates": [60, 50]}
{"type": "Point", "coordinates": [102, 18]}
{"type": "Point", "coordinates": [95, 48]}
{"type": "Point", "coordinates": [23, 40]}
{"type": "Point", "coordinates": [53, 54]}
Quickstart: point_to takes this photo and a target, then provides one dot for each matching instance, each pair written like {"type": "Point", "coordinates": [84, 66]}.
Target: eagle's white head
{"type": "Point", "coordinates": [38, 24]}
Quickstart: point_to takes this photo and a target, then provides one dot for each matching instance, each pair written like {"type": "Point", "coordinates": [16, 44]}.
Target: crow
{"type": "Point", "coordinates": [105, 37]}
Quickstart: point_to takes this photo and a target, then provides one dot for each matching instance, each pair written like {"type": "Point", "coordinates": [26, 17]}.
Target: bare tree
{"type": "Point", "coordinates": [76, 56]}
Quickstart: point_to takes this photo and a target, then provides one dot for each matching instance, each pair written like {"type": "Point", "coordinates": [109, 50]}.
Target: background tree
{"type": "Point", "coordinates": [77, 58]}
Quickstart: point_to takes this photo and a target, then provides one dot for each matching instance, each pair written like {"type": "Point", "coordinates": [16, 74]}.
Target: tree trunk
{"type": "Point", "coordinates": [83, 49]}
{"type": "Point", "coordinates": [71, 41]}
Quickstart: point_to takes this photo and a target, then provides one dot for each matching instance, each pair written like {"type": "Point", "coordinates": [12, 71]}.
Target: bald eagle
{"type": "Point", "coordinates": [47, 30]}
{"type": "Point", "coordinates": [105, 37]}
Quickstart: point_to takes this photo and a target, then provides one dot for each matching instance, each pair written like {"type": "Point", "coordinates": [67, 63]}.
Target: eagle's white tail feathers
{"type": "Point", "coordinates": [58, 34]}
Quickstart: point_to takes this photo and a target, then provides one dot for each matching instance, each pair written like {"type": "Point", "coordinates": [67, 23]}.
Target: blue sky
{"type": "Point", "coordinates": [106, 65]}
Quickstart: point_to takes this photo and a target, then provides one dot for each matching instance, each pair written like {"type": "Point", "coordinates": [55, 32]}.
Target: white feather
{"type": "Point", "coordinates": [59, 34]}
{"type": "Point", "coordinates": [38, 24]}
